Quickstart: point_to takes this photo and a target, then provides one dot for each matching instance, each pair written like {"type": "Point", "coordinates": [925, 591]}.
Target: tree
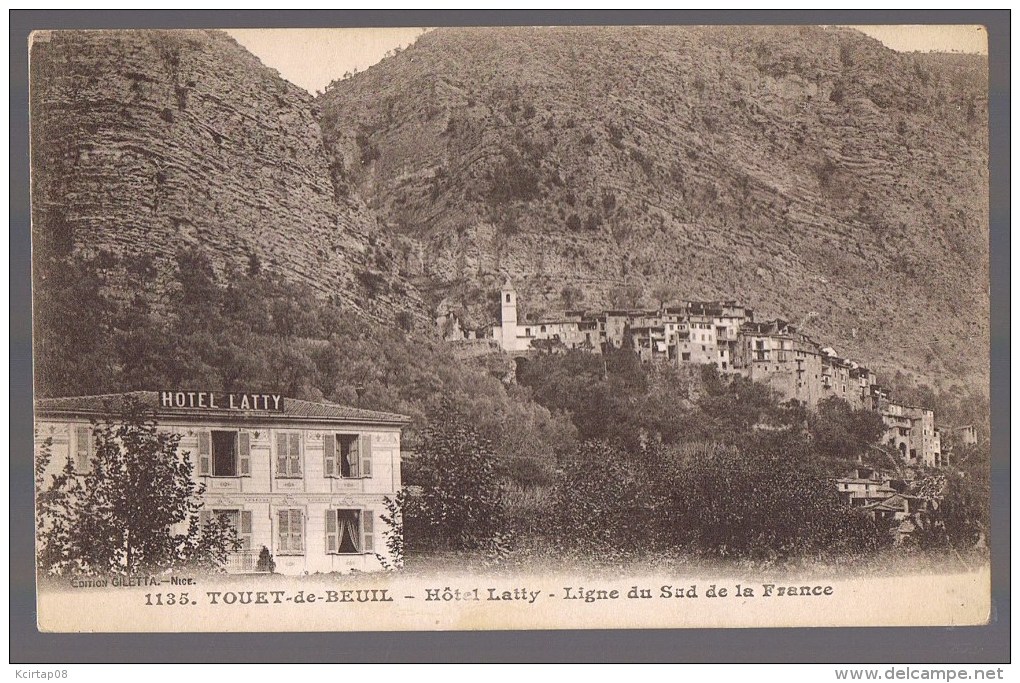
{"type": "Point", "coordinates": [957, 502]}
{"type": "Point", "coordinates": [842, 433]}
{"type": "Point", "coordinates": [394, 534]}
{"type": "Point", "coordinates": [461, 504]}
{"type": "Point", "coordinates": [625, 296]}
{"type": "Point", "coordinates": [663, 294]}
{"type": "Point", "coordinates": [731, 407]}
{"type": "Point", "coordinates": [135, 509]}
{"type": "Point", "coordinates": [571, 296]}
{"type": "Point", "coordinates": [51, 504]}
{"type": "Point", "coordinates": [759, 498]}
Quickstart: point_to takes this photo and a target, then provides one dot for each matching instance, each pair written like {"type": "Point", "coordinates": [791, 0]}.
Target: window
{"type": "Point", "coordinates": [239, 520]}
{"type": "Point", "coordinates": [290, 531]}
{"type": "Point", "coordinates": [223, 453]}
{"type": "Point", "coordinates": [507, 298]}
{"type": "Point", "coordinates": [349, 532]}
{"type": "Point", "coordinates": [288, 454]}
{"type": "Point", "coordinates": [348, 456]}
{"type": "Point", "coordinates": [84, 449]}
{"type": "Point", "coordinates": [685, 355]}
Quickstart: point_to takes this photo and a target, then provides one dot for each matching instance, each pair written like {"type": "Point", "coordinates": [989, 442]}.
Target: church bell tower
{"type": "Point", "coordinates": [508, 315]}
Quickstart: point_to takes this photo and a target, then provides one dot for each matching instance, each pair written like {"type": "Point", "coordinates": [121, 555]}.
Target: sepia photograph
{"type": "Point", "coordinates": [511, 327]}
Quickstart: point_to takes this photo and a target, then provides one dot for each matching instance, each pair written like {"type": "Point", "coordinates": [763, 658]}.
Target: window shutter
{"type": "Point", "coordinates": [245, 533]}
{"type": "Point", "coordinates": [329, 451]}
{"type": "Point", "coordinates": [331, 541]}
{"type": "Point", "coordinates": [366, 454]}
{"type": "Point", "coordinates": [244, 454]}
{"type": "Point", "coordinates": [281, 454]}
{"type": "Point", "coordinates": [204, 517]}
{"type": "Point", "coordinates": [352, 456]}
{"type": "Point", "coordinates": [367, 526]}
{"type": "Point", "coordinates": [295, 454]}
{"type": "Point", "coordinates": [204, 453]}
{"type": "Point", "coordinates": [297, 530]}
{"type": "Point", "coordinates": [284, 530]}
{"type": "Point", "coordinates": [83, 449]}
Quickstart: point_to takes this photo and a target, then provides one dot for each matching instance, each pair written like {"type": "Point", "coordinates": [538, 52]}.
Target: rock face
{"type": "Point", "coordinates": [145, 142]}
{"type": "Point", "coordinates": [809, 172]}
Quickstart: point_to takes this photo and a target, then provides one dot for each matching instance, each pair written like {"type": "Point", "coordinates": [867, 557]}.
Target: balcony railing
{"type": "Point", "coordinates": [242, 562]}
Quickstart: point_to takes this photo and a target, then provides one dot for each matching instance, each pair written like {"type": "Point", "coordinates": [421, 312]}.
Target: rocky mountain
{"type": "Point", "coordinates": [809, 172]}
{"type": "Point", "coordinates": [147, 142]}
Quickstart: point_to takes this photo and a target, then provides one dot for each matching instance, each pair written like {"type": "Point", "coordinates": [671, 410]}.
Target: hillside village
{"type": "Point", "coordinates": [725, 334]}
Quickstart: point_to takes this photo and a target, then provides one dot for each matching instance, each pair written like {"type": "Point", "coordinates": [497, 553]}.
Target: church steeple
{"type": "Point", "coordinates": [508, 314]}
{"type": "Point", "coordinates": [508, 303]}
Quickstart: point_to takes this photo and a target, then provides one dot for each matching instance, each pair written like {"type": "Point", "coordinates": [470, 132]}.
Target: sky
{"type": "Point", "coordinates": [312, 57]}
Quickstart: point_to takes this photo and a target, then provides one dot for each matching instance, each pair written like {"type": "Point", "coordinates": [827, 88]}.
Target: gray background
{"type": "Point", "coordinates": [969, 644]}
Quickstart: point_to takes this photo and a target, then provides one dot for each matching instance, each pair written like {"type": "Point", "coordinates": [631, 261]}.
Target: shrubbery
{"type": "Point", "coordinates": [740, 502]}
{"type": "Point", "coordinates": [699, 462]}
{"type": "Point", "coordinates": [459, 502]}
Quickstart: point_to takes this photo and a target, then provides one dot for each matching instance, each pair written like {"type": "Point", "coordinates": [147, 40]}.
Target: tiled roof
{"type": "Point", "coordinates": [293, 409]}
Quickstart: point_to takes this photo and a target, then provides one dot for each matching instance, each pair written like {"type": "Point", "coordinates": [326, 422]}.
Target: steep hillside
{"type": "Point", "coordinates": [148, 142]}
{"type": "Point", "coordinates": [800, 169]}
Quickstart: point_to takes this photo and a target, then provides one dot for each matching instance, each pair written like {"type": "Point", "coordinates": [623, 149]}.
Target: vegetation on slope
{"type": "Point", "coordinates": [253, 330]}
{"type": "Point", "coordinates": [800, 169]}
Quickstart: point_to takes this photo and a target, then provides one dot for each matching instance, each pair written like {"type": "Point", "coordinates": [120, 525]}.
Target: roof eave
{"type": "Point", "coordinates": [207, 416]}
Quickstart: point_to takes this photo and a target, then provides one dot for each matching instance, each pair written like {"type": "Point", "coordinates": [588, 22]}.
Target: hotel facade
{"type": "Point", "coordinates": [304, 480]}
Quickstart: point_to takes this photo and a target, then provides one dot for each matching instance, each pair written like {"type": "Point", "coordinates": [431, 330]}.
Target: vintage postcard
{"type": "Point", "coordinates": [510, 328]}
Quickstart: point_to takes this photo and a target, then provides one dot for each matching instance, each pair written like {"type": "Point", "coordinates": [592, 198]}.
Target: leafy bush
{"type": "Point", "coordinates": [405, 320]}
{"type": "Point", "coordinates": [515, 177]}
{"type": "Point", "coordinates": [760, 504]}
{"type": "Point", "coordinates": [374, 283]}
{"type": "Point", "coordinates": [596, 500]}
{"type": "Point", "coordinates": [394, 534]}
{"type": "Point", "coordinates": [368, 150]}
{"type": "Point", "coordinates": [761, 500]}
{"type": "Point", "coordinates": [461, 502]}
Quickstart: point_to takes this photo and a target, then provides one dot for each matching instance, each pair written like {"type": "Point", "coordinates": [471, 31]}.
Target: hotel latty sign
{"type": "Point", "coordinates": [221, 400]}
